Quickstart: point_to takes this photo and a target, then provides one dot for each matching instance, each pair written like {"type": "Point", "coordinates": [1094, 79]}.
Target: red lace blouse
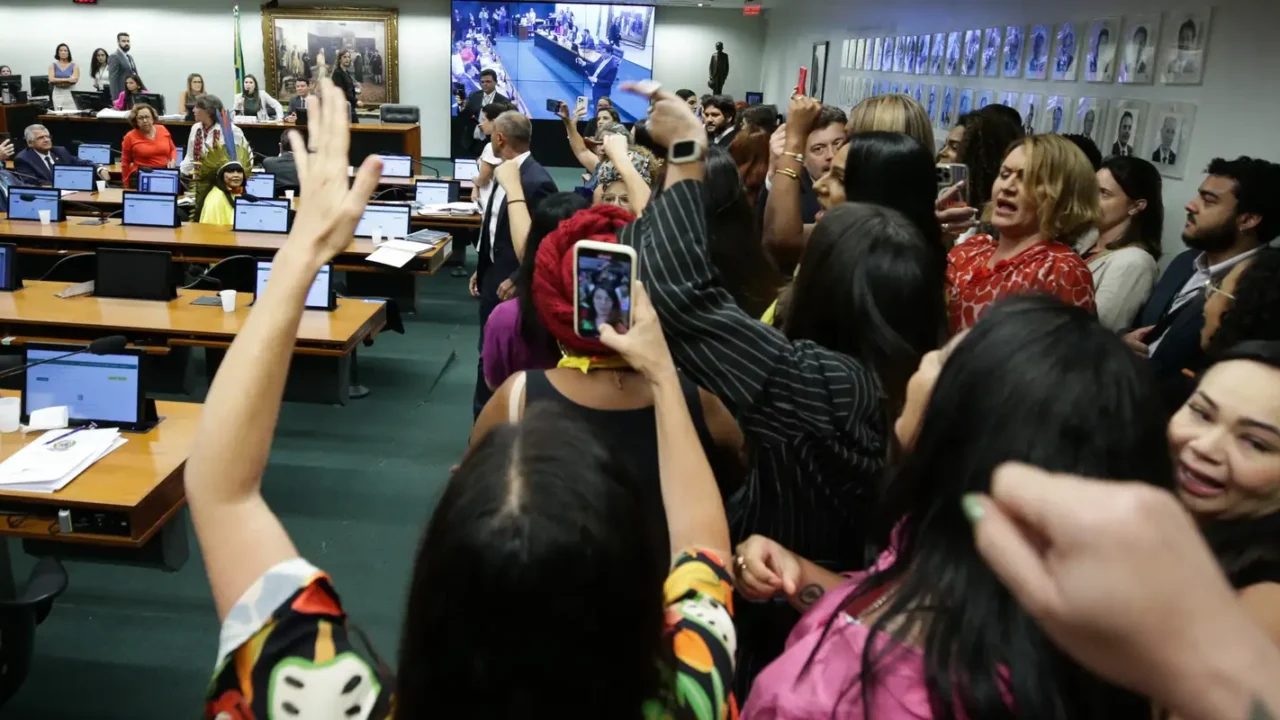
{"type": "Point", "coordinates": [1048, 267]}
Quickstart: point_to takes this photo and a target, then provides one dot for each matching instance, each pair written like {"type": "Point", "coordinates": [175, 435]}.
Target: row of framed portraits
{"type": "Point", "coordinates": [1110, 49]}
{"type": "Point", "coordinates": [1159, 132]}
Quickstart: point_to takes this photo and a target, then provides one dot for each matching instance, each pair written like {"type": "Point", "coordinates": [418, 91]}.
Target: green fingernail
{"type": "Point", "coordinates": [972, 507]}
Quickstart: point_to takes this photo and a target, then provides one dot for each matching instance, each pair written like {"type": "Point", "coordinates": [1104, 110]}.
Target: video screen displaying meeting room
{"type": "Point", "coordinates": [554, 51]}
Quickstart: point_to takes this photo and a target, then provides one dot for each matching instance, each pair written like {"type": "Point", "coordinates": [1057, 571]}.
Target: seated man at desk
{"type": "Point", "coordinates": [38, 160]}
{"type": "Point", "coordinates": [299, 101]}
{"type": "Point", "coordinates": [283, 165]}
{"type": "Point", "coordinates": [206, 134]}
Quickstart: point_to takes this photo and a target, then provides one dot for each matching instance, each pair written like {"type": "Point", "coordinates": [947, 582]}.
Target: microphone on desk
{"type": "Point", "coordinates": [101, 216]}
{"type": "Point", "coordinates": [426, 165]}
{"type": "Point", "coordinates": [108, 345]}
{"type": "Point", "coordinates": [36, 180]}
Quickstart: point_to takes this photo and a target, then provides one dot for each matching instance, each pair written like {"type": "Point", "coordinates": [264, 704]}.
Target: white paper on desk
{"type": "Point", "coordinates": [113, 113]}
{"type": "Point", "coordinates": [408, 246]}
{"type": "Point", "coordinates": [386, 255]}
{"type": "Point", "coordinates": [48, 468]}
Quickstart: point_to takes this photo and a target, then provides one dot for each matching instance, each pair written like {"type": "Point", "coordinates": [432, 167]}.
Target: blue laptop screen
{"type": "Point", "coordinates": [26, 203]}
{"type": "Point", "coordinates": [262, 216]}
{"type": "Point", "coordinates": [149, 209]}
{"type": "Point", "coordinates": [73, 177]}
{"type": "Point", "coordinates": [93, 387]}
{"type": "Point", "coordinates": [261, 185]}
{"type": "Point", "coordinates": [160, 181]}
{"type": "Point", "coordinates": [96, 154]}
{"type": "Point", "coordinates": [391, 220]}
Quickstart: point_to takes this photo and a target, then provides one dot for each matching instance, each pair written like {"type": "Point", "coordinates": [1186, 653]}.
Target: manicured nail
{"type": "Point", "coordinates": [973, 508]}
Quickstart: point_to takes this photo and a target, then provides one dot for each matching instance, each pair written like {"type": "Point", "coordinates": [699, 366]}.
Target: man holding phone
{"type": "Point", "coordinates": [470, 107]}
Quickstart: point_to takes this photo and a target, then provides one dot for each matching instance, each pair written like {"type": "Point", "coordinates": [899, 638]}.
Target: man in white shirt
{"type": "Point", "coordinates": [206, 133]}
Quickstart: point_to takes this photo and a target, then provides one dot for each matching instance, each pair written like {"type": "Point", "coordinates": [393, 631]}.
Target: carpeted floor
{"type": "Point", "coordinates": [354, 486]}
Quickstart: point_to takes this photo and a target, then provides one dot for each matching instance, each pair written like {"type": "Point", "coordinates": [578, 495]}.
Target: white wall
{"type": "Point", "coordinates": [1238, 102]}
{"type": "Point", "coordinates": [686, 39]}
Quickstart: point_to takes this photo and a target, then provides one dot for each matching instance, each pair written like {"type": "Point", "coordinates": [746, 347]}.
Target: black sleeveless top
{"type": "Point", "coordinates": [633, 434]}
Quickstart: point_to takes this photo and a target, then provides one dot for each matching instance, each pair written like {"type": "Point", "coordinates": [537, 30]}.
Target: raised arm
{"type": "Point", "coordinates": [238, 534]}
{"type": "Point", "coordinates": [784, 230]}
{"type": "Point", "coordinates": [616, 149]}
{"type": "Point", "coordinates": [274, 104]}
{"type": "Point", "coordinates": [518, 213]}
{"type": "Point", "coordinates": [585, 157]}
{"type": "Point", "coordinates": [690, 496]}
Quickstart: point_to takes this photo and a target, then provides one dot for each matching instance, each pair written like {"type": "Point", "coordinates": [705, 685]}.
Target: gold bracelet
{"type": "Point", "coordinates": [788, 172]}
{"type": "Point", "coordinates": [799, 157]}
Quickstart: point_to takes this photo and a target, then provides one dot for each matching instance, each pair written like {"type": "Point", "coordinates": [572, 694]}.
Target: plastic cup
{"type": "Point", "coordinates": [377, 237]}
{"type": "Point", "coordinates": [46, 216]}
{"type": "Point", "coordinates": [102, 186]}
{"type": "Point", "coordinates": [289, 194]}
{"type": "Point", "coordinates": [228, 300]}
{"type": "Point", "coordinates": [10, 412]}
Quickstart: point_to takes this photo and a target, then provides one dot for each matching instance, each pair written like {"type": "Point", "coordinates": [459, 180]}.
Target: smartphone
{"type": "Point", "coordinates": [604, 275]}
{"type": "Point", "coordinates": [581, 107]}
{"type": "Point", "coordinates": [553, 106]}
{"type": "Point", "coordinates": [802, 85]}
{"type": "Point", "coordinates": [949, 174]}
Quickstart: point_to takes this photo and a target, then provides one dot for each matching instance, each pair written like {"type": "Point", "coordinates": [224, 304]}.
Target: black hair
{"type": "Point", "coordinates": [547, 216]}
{"type": "Point", "coordinates": [1254, 315]}
{"type": "Point", "coordinates": [765, 117]}
{"type": "Point", "coordinates": [120, 35]}
{"type": "Point", "coordinates": [1257, 184]}
{"type": "Point", "coordinates": [734, 243]}
{"type": "Point", "coordinates": [829, 115]}
{"type": "Point", "coordinates": [95, 65]}
{"type": "Point", "coordinates": [1087, 146]}
{"type": "Point", "coordinates": [539, 550]}
{"type": "Point", "coordinates": [494, 109]}
{"type": "Point", "coordinates": [1141, 29]}
{"type": "Point", "coordinates": [257, 86]}
{"type": "Point", "coordinates": [685, 94]}
{"type": "Point", "coordinates": [1140, 180]}
{"type": "Point", "coordinates": [1004, 111]}
{"type": "Point", "coordinates": [894, 170]}
{"type": "Point", "coordinates": [987, 139]}
{"type": "Point", "coordinates": [490, 73]}
{"type": "Point", "coordinates": [871, 286]}
{"type": "Point", "coordinates": [142, 87]}
{"type": "Point", "coordinates": [644, 139]}
{"type": "Point", "coordinates": [1188, 25]}
{"type": "Point", "coordinates": [1126, 114]}
{"type": "Point", "coordinates": [1035, 381]}
{"type": "Point", "coordinates": [60, 46]}
{"type": "Point", "coordinates": [723, 103]}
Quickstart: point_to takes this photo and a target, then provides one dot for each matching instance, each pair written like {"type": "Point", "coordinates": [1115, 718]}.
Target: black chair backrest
{"type": "Point", "coordinates": [19, 617]}
{"type": "Point", "coordinates": [238, 272]}
{"type": "Point", "coordinates": [399, 114]}
{"type": "Point", "coordinates": [74, 269]}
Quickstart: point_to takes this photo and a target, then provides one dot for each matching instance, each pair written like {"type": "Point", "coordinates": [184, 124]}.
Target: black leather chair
{"type": "Point", "coordinates": [19, 617]}
{"type": "Point", "coordinates": [73, 269]}
{"type": "Point", "coordinates": [238, 272]}
{"type": "Point", "coordinates": [399, 114]}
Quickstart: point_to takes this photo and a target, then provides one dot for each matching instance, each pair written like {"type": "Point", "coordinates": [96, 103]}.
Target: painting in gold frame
{"type": "Point", "coordinates": [304, 42]}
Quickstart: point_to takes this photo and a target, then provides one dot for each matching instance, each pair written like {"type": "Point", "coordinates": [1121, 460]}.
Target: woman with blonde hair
{"type": "Point", "coordinates": [892, 113]}
{"type": "Point", "coordinates": [195, 88]}
{"type": "Point", "coordinates": [1043, 199]}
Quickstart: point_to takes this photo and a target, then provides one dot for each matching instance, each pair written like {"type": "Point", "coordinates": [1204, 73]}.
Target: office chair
{"type": "Point", "coordinates": [399, 114]}
{"type": "Point", "coordinates": [73, 269]}
{"type": "Point", "coordinates": [19, 617]}
{"type": "Point", "coordinates": [238, 272]}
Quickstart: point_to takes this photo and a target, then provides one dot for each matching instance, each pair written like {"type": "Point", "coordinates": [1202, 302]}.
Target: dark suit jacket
{"type": "Point", "coordinates": [286, 171]}
{"type": "Point", "coordinates": [118, 69]}
{"type": "Point", "coordinates": [724, 141]}
{"type": "Point", "coordinates": [470, 112]}
{"type": "Point", "coordinates": [343, 80]}
{"type": "Point", "coordinates": [537, 184]}
{"type": "Point", "coordinates": [1173, 157]}
{"type": "Point", "coordinates": [28, 162]}
{"type": "Point", "coordinates": [605, 71]}
{"type": "Point", "coordinates": [1117, 149]}
{"type": "Point", "coordinates": [719, 69]}
{"type": "Point", "coordinates": [1179, 331]}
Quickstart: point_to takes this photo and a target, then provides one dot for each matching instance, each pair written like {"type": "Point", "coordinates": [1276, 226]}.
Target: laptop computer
{"type": "Point", "coordinates": [95, 153]}
{"type": "Point", "coordinates": [162, 181]}
{"type": "Point", "coordinates": [262, 215]}
{"type": "Point", "coordinates": [150, 209]}
{"type": "Point", "coordinates": [135, 274]}
{"type": "Point", "coordinates": [261, 185]}
{"type": "Point", "coordinates": [466, 170]}
{"type": "Point", "coordinates": [436, 192]}
{"type": "Point", "coordinates": [320, 296]}
{"type": "Point", "coordinates": [103, 389]}
{"type": "Point", "coordinates": [399, 166]}
{"type": "Point", "coordinates": [73, 177]}
{"type": "Point", "coordinates": [392, 221]}
{"type": "Point", "coordinates": [25, 203]}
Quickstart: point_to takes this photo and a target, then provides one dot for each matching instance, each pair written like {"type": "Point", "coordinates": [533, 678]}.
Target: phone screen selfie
{"type": "Point", "coordinates": [603, 280]}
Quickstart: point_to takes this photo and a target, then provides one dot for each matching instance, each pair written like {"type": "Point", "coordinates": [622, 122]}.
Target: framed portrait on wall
{"type": "Point", "coordinates": [899, 53]}
{"type": "Point", "coordinates": [1057, 114]}
{"type": "Point", "coordinates": [947, 114]}
{"type": "Point", "coordinates": [867, 52]}
{"type": "Point", "coordinates": [1038, 52]}
{"type": "Point", "coordinates": [1010, 99]}
{"type": "Point", "coordinates": [1100, 60]}
{"type": "Point", "coordinates": [922, 54]}
{"type": "Point", "coordinates": [983, 98]}
{"type": "Point", "coordinates": [1013, 51]}
{"type": "Point", "coordinates": [953, 54]}
{"type": "Point", "coordinates": [1066, 52]}
{"type": "Point", "coordinates": [909, 54]}
{"type": "Point", "coordinates": [877, 54]}
{"type": "Point", "coordinates": [991, 53]}
{"type": "Point", "coordinates": [1169, 141]}
{"type": "Point", "coordinates": [1124, 128]}
{"type": "Point", "coordinates": [889, 49]}
{"type": "Point", "coordinates": [818, 70]}
{"type": "Point", "coordinates": [302, 42]}
{"type": "Point", "coordinates": [931, 104]}
{"type": "Point", "coordinates": [1030, 108]}
{"type": "Point", "coordinates": [1182, 61]}
{"type": "Point", "coordinates": [965, 103]}
{"type": "Point", "coordinates": [1138, 55]}
{"type": "Point", "coordinates": [936, 52]}
{"type": "Point", "coordinates": [972, 53]}
{"type": "Point", "coordinates": [1091, 119]}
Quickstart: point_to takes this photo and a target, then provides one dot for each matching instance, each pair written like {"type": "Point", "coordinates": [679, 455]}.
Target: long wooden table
{"type": "Point", "coordinates": [366, 138]}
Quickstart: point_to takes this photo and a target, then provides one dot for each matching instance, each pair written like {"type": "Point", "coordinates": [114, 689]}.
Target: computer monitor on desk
{"type": "Point", "coordinates": [261, 185]}
{"type": "Point", "coordinates": [261, 215]}
{"type": "Point", "coordinates": [161, 181]}
{"type": "Point", "coordinates": [320, 296]}
{"type": "Point", "coordinates": [155, 100]}
{"type": "Point", "coordinates": [73, 177]}
{"type": "Point", "coordinates": [390, 221]}
{"type": "Point", "coordinates": [10, 278]}
{"type": "Point", "coordinates": [135, 274]}
{"type": "Point", "coordinates": [89, 101]}
{"type": "Point", "coordinates": [10, 89]}
{"type": "Point", "coordinates": [149, 210]}
{"type": "Point", "coordinates": [102, 389]}
{"type": "Point", "coordinates": [25, 203]}
{"type": "Point", "coordinates": [436, 192]}
{"type": "Point", "coordinates": [94, 153]}
{"type": "Point", "coordinates": [466, 170]}
{"type": "Point", "coordinates": [397, 166]}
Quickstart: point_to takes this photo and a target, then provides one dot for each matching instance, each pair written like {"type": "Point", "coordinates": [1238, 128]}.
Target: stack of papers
{"type": "Point", "coordinates": [398, 253]}
{"type": "Point", "coordinates": [113, 113]}
{"type": "Point", "coordinates": [453, 208]}
{"type": "Point", "coordinates": [46, 467]}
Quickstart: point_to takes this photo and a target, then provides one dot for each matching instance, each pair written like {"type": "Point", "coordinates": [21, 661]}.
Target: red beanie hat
{"type": "Point", "coordinates": [553, 272]}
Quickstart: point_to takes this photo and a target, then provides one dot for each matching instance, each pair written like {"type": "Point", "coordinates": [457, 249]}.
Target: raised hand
{"type": "Point", "coordinates": [802, 115]}
{"type": "Point", "coordinates": [616, 147]}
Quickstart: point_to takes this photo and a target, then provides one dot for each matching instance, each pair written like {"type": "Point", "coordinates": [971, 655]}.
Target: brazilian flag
{"type": "Point", "coordinates": [239, 52]}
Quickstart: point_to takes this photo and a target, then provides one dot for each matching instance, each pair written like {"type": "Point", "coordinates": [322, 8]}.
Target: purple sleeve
{"type": "Point", "coordinates": [496, 354]}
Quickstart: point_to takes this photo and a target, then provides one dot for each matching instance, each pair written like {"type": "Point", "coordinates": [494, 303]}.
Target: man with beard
{"type": "Point", "coordinates": [1233, 215]}
{"type": "Point", "coordinates": [719, 114]}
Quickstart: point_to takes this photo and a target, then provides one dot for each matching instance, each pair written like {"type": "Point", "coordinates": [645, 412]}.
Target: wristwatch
{"type": "Point", "coordinates": [686, 151]}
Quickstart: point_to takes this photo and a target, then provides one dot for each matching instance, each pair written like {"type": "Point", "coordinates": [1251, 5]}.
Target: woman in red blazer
{"type": "Point", "coordinates": [148, 144]}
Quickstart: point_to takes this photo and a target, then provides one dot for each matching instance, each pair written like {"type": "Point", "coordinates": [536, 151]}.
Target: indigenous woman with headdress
{"type": "Point", "coordinates": [220, 178]}
{"type": "Point", "coordinates": [596, 385]}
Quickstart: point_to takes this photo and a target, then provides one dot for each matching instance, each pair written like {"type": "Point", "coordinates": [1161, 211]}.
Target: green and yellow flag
{"type": "Point", "coordinates": [239, 52]}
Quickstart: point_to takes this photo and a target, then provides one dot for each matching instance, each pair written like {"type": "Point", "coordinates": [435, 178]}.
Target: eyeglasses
{"type": "Point", "coordinates": [1210, 290]}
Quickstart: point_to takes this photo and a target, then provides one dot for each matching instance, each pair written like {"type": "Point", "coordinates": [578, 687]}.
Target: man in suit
{"type": "Point", "coordinates": [719, 69]}
{"type": "Point", "coordinates": [1233, 215]}
{"type": "Point", "coordinates": [1122, 146]}
{"type": "Point", "coordinates": [719, 115]}
{"type": "Point", "coordinates": [494, 280]}
{"type": "Point", "coordinates": [40, 157]}
{"type": "Point", "coordinates": [469, 109]}
{"type": "Point", "coordinates": [283, 165]}
{"type": "Point", "coordinates": [120, 65]}
{"type": "Point", "coordinates": [601, 74]}
{"type": "Point", "coordinates": [1168, 133]}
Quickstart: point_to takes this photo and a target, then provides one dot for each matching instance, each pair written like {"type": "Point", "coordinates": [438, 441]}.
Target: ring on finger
{"type": "Point", "coordinates": [740, 565]}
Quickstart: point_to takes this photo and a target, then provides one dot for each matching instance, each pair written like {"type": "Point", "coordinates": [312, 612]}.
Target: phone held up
{"type": "Point", "coordinates": [604, 275]}
{"type": "Point", "coordinates": [949, 174]}
{"type": "Point", "coordinates": [553, 106]}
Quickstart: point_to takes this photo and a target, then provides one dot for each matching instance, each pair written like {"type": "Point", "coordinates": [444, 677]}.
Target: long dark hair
{"type": "Point", "coordinates": [987, 137]}
{"type": "Point", "coordinates": [894, 170]}
{"type": "Point", "coordinates": [538, 558]}
{"type": "Point", "coordinates": [546, 217]}
{"type": "Point", "coordinates": [871, 286]}
{"type": "Point", "coordinates": [1039, 382]}
{"type": "Point", "coordinates": [1140, 180]}
{"type": "Point", "coordinates": [734, 243]}
{"type": "Point", "coordinates": [94, 65]}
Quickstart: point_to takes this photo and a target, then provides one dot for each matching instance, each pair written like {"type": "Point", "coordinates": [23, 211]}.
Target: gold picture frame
{"type": "Point", "coordinates": [303, 41]}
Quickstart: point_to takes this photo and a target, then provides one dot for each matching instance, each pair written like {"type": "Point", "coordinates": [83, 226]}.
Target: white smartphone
{"type": "Point", "coordinates": [604, 275]}
{"type": "Point", "coordinates": [581, 106]}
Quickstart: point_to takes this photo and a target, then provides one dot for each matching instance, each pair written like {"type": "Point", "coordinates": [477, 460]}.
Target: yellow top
{"type": "Point", "coordinates": [217, 209]}
{"type": "Point", "coordinates": [767, 317]}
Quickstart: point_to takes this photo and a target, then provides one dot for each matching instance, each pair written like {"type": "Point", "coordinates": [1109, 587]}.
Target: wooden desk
{"type": "Point", "coordinates": [366, 138]}
{"type": "Point", "coordinates": [141, 481]}
{"type": "Point", "coordinates": [191, 243]}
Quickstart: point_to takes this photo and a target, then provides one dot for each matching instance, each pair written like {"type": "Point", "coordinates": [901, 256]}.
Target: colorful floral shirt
{"type": "Point", "coordinates": [285, 650]}
{"type": "Point", "coordinates": [1046, 267]}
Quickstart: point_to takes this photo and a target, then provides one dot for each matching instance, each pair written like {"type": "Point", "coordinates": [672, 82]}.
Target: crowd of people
{"type": "Point", "coordinates": [852, 447]}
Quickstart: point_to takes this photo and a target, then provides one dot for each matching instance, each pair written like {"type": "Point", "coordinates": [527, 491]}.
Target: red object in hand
{"type": "Point", "coordinates": [804, 80]}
